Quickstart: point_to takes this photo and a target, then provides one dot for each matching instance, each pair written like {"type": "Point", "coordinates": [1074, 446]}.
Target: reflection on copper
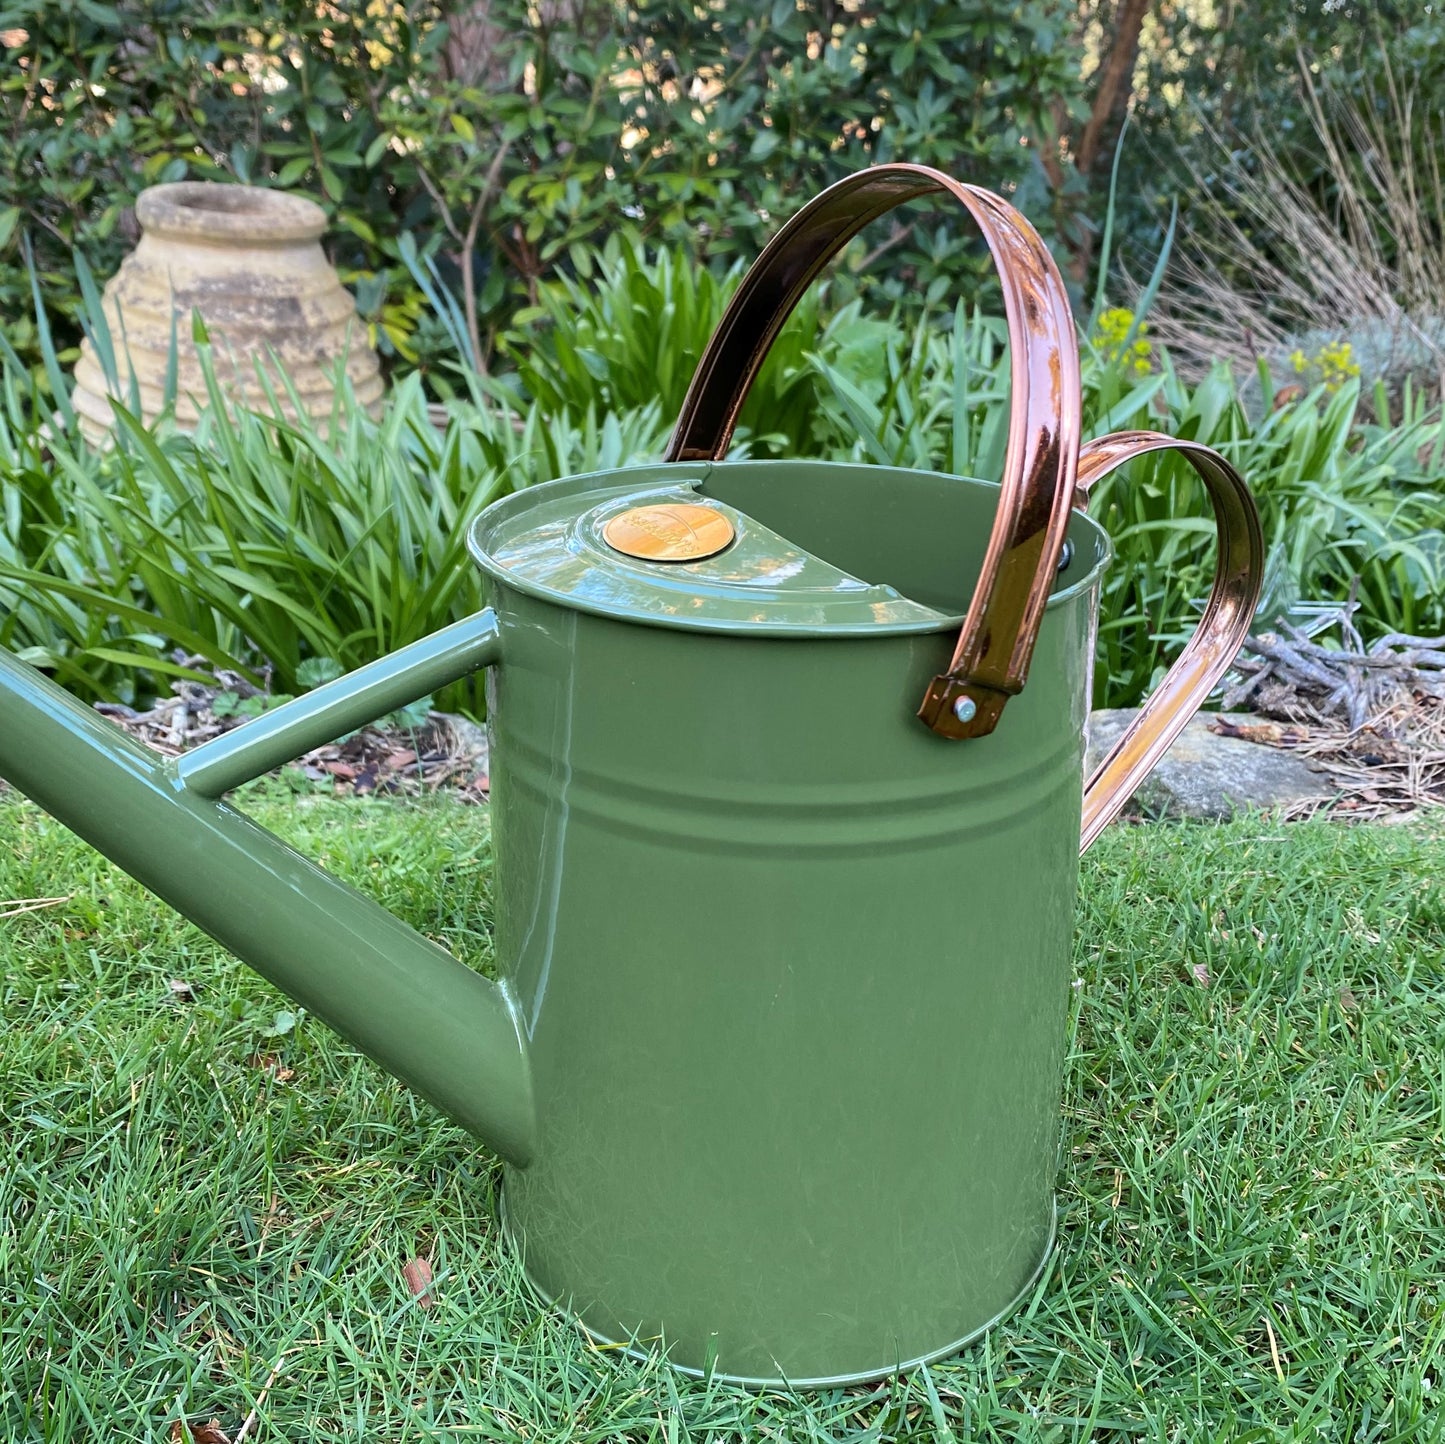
{"type": "Point", "coordinates": [1238, 577]}
{"type": "Point", "coordinates": [996, 643]}
{"type": "Point", "coordinates": [1046, 473]}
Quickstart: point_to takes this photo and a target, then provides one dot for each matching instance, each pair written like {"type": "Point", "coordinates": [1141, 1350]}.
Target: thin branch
{"type": "Point", "coordinates": [443, 209]}
{"type": "Point", "coordinates": [469, 246]}
{"type": "Point", "coordinates": [896, 237]}
{"type": "Point", "coordinates": [16, 906]}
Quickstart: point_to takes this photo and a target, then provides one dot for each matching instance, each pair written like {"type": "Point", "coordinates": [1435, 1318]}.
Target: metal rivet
{"type": "Point", "coordinates": [965, 709]}
{"type": "Point", "coordinates": [1067, 555]}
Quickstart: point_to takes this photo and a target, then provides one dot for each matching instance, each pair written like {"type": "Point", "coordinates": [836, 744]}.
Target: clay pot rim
{"type": "Point", "coordinates": [238, 214]}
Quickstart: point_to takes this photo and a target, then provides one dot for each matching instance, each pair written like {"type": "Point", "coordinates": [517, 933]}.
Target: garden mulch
{"type": "Point", "coordinates": [444, 752]}
{"type": "Point", "coordinates": [1371, 718]}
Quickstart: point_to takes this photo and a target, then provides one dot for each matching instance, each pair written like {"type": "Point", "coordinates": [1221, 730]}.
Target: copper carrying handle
{"type": "Point", "coordinates": [1238, 578]}
{"type": "Point", "coordinates": [991, 661]}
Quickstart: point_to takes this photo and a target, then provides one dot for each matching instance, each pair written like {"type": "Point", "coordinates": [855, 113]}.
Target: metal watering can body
{"type": "Point", "coordinates": [793, 973]}
{"type": "Point", "coordinates": [775, 1058]}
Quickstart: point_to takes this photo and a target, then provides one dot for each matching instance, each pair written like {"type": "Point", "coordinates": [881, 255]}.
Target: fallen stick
{"type": "Point", "coordinates": [16, 906]}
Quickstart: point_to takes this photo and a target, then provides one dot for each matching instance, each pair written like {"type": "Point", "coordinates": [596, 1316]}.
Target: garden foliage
{"type": "Point", "coordinates": [543, 207]}
{"type": "Point", "coordinates": [508, 136]}
{"type": "Point", "coordinates": [284, 551]}
{"type": "Point", "coordinates": [292, 551]}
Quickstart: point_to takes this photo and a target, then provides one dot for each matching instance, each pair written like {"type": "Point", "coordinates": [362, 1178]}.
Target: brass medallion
{"type": "Point", "coordinates": [672, 532]}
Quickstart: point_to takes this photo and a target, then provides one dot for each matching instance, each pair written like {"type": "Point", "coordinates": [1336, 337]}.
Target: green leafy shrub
{"type": "Point", "coordinates": [629, 331]}
{"type": "Point", "coordinates": [511, 137]}
{"type": "Point", "coordinates": [634, 331]}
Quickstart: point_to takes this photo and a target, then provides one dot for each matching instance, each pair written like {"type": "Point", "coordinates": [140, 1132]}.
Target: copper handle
{"type": "Point", "coordinates": [991, 661]}
{"type": "Point", "coordinates": [1238, 577]}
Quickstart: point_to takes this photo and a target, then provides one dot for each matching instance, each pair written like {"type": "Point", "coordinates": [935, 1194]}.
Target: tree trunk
{"type": "Point", "coordinates": [474, 53]}
{"type": "Point", "coordinates": [1112, 93]}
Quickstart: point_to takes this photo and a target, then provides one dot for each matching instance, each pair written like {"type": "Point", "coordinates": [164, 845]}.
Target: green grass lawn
{"type": "Point", "coordinates": [194, 1189]}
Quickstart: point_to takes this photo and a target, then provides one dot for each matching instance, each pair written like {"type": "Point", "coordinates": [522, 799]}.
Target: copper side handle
{"type": "Point", "coordinates": [991, 661]}
{"type": "Point", "coordinates": [1238, 577]}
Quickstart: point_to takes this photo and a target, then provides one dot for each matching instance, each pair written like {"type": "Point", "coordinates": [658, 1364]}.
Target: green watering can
{"type": "Point", "coordinates": [775, 1058]}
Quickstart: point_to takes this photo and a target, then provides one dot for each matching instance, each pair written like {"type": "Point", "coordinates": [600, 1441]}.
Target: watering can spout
{"type": "Point", "coordinates": [449, 1032]}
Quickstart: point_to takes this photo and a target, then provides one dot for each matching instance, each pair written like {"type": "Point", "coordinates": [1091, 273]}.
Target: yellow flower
{"type": "Point", "coordinates": [1113, 327]}
{"type": "Point", "coordinates": [1337, 364]}
{"type": "Point", "coordinates": [1331, 366]}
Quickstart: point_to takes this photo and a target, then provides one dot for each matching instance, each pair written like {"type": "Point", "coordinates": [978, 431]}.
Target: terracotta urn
{"type": "Point", "coordinates": [249, 260]}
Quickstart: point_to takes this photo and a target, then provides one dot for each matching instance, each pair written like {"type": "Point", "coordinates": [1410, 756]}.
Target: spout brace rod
{"type": "Point", "coordinates": [339, 707]}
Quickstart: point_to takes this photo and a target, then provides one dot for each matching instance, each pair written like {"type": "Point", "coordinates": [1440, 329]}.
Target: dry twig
{"type": "Point", "coordinates": [249, 1422]}
{"type": "Point", "coordinates": [16, 906]}
{"type": "Point", "coordinates": [1372, 717]}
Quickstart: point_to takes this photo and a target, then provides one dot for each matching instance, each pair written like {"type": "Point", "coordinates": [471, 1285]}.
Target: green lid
{"type": "Point", "coordinates": [553, 541]}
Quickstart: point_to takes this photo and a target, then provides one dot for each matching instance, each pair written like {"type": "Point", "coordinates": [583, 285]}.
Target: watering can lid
{"type": "Point", "coordinates": [654, 550]}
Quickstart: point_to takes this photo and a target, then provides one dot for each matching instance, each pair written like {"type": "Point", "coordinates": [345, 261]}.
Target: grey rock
{"type": "Point", "coordinates": [1204, 775]}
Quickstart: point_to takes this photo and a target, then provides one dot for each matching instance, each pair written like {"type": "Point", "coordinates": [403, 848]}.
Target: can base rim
{"type": "Point", "coordinates": [780, 1381]}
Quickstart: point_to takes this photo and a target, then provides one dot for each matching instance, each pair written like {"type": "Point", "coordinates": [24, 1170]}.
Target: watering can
{"type": "Point", "coordinates": [786, 851]}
